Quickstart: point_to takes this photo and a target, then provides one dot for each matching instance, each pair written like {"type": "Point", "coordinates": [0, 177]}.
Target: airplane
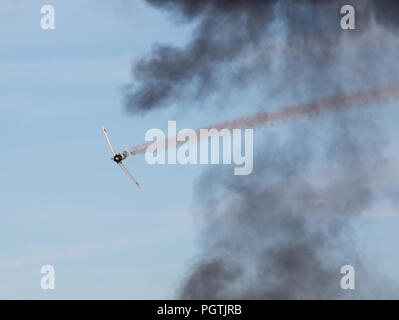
{"type": "Point", "coordinates": [119, 157]}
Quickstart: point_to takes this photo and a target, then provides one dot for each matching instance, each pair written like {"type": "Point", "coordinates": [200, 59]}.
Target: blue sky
{"type": "Point", "coordinates": [63, 202]}
{"type": "Point", "coordinates": [60, 204]}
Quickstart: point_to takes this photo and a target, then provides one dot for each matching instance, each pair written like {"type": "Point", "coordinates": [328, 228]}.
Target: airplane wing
{"type": "Point", "coordinates": [128, 173]}
{"type": "Point", "coordinates": [109, 142]}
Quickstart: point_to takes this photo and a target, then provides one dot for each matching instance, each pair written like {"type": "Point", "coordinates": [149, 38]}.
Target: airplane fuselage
{"type": "Point", "coordinates": [119, 157]}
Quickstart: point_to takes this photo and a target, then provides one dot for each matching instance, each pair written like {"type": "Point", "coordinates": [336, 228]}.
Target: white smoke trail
{"type": "Point", "coordinates": [361, 98]}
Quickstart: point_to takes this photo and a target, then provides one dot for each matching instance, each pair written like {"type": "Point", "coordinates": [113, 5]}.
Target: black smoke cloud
{"type": "Point", "coordinates": [277, 234]}
{"type": "Point", "coordinates": [169, 71]}
{"type": "Point", "coordinates": [227, 30]}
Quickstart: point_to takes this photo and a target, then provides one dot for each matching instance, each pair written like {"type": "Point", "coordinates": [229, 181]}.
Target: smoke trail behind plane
{"type": "Point", "coordinates": [361, 98]}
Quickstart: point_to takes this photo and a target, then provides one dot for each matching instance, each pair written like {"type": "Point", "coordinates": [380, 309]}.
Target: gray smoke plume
{"type": "Point", "coordinates": [279, 235]}
{"type": "Point", "coordinates": [284, 231]}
